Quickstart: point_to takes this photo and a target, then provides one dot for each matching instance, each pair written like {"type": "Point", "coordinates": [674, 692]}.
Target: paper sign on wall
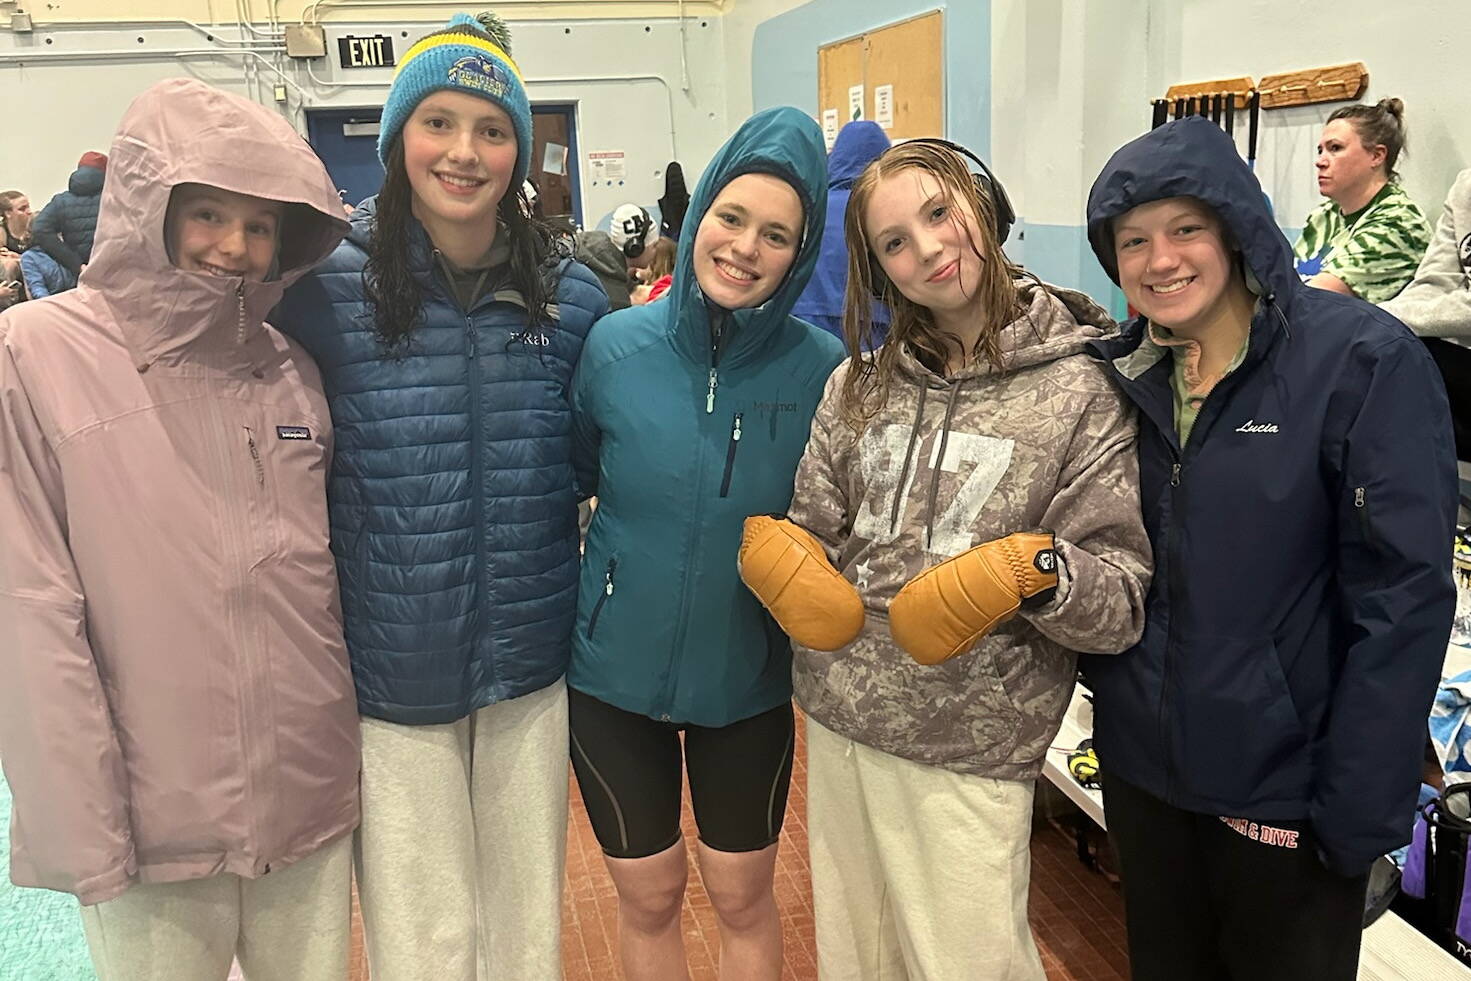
{"type": "Point", "coordinates": [830, 127]}
{"type": "Point", "coordinates": [883, 106]}
{"type": "Point", "coordinates": [554, 161]}
{"type": "Point", "coordinates": [855, 103]}
{"type": "Point", "coordinates": [607, 165]}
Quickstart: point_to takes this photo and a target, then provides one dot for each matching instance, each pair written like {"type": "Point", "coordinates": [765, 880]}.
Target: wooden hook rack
{"type": "Point", "coordinates": [1336, 83]}
{"type": "Point", "coordinates": [1240, 88]}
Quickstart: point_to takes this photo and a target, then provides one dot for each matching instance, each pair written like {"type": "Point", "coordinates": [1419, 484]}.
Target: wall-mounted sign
{"type": "Point", "coordinates": [607, 165]}
{"type": "Point", "coordinates": [883, 105]}
{"type": "Point", "coordinates": [366, 52]}
{"type": "Point", "coordinates": [830, 127]}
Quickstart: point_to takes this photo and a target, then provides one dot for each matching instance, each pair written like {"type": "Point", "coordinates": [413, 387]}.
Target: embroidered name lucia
{"type": "Point", "coordinates": [1252, 426]}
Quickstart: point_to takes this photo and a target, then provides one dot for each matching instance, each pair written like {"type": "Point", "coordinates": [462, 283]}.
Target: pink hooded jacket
{"type": "Point", "coordinates": [175, 700]}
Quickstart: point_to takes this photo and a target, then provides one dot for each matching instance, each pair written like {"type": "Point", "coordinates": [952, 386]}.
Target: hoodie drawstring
{"type": "Point", "coordinates": [929, 521]}
{"type": "Point", "coordinates": [908, 456]}
{"type": "Point", "coordinates": [929, 518]}
{"type": "Point", "coordinates": [1272, 302]}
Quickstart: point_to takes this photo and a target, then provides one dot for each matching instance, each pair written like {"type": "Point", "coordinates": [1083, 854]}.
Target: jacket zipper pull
{"type": "Point", "coordinates": [710, 393]}
{"type": "Point", "coordinates": [240, 314]}
{"type": "Point", "coordinates": [470, 334]}
{"type": "Point", "coordinates": [1175, 475]}
{"type": "Point", "coordinates": [1358, 497]}
{"type": "Point", "coordinates": [608, 582]}
{"type": "Point", "coordinates": [260, 472]}
{"type": "Point", "coordinates": [735, 434]}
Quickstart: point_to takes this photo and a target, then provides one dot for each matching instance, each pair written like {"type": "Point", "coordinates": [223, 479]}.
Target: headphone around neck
{"type": "Point", "coordinates": [986, 185]}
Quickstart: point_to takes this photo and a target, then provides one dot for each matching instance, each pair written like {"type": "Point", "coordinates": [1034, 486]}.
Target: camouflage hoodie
{"type": "Point", "coordinates": [1048, 443]}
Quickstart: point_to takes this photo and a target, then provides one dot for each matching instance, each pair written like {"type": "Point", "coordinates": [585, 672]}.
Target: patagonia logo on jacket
{"type": "Point", "coordinates": [293, 432]}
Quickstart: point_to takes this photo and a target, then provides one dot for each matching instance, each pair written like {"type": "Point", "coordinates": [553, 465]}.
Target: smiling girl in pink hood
{"type": "Point", "coordinates": [178, 722]}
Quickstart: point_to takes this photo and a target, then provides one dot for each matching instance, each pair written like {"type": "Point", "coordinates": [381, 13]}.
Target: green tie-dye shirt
{"type": "Point", "coordinates": [1374, 251]}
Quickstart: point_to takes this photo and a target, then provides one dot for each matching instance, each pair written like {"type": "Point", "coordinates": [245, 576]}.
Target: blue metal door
{"type": "Point", "coordinates": [347, 142]}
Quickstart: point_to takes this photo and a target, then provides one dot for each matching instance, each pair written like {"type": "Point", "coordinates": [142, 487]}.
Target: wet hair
{"type": "Point", "coordinates": [395, 296]}
{"type": "Point", "coordinates": [870, 375]}
{"type": "Point", "coordinates": [1382, 124]}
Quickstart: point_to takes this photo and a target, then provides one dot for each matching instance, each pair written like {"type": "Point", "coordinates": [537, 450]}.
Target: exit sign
{"type": "Point", "coordinates": [366, 52]}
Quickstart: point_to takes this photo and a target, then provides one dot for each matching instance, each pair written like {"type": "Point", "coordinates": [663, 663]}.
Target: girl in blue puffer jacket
{"type": "Point", "coordinates": [447, 330]}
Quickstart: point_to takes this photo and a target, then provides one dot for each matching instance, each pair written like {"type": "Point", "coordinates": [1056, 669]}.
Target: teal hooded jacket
{"type": "Point", "coordinates": [681, 443]}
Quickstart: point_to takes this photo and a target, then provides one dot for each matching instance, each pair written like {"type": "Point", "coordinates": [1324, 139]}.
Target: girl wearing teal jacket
{"type": "Point", "coordinates": [689, 415]}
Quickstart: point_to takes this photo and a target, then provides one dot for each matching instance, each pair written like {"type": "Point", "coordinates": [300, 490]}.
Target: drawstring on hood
{"type": "Point", "coordinates": [914, 428]}
{"type": "Point", "coordinates": [182, 131]}
{"type": "Point", "coordinates": [929, 511]}
{"type": "Point", "coordinates": [1057, 323]}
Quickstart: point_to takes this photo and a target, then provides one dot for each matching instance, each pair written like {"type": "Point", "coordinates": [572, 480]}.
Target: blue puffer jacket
{"type": "Point", "coordinates": [65, 227]}
{"type": "Point", "coordinates": [1302, 593]}
{"type": "Point", "coordinates": [682, 443]}
{"type": "Point", "coordinates": [454, 517]}
{"type": "Point", "coordinates": [821, 303]}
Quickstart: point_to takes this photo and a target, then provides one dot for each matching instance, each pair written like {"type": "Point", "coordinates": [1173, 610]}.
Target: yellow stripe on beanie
{"type": "Point", "coordinates": [458, 40]}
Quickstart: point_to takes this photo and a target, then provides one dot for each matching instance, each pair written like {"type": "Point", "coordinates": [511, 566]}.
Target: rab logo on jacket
{"type": "Point", "coordinates": [293, 432]}
{"type": "Point", "coordinates": [534, 338]}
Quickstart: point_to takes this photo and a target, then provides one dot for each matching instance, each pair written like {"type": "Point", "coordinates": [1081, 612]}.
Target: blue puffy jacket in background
{"type": "Point", "coordinates": [821, 303]}
{"type": "Point", "coordinates": [1302, 593]}
{"type": "Point", "coordinates": [64, 229]}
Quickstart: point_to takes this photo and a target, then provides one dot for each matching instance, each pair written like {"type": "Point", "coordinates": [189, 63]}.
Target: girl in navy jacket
{"type": "Point", "coordinates": [1261, 744]}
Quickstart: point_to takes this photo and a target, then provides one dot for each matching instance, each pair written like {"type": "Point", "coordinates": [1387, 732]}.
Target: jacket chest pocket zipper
{"type": "Point", "coordinates": [1361, 505]}
{"type": "Point", "coordinates": [260, 468]}
{"type": "Point", "coordinates": [592, 621]}
{"type": "Point", "coordinates": [730, 454]}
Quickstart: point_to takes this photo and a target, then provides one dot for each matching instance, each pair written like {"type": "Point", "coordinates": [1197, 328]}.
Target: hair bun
{"type": "Point", "coordinates": [1395, 107]}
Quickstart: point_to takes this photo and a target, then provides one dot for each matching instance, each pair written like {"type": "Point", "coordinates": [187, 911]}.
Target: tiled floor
{"type": "Point", "coordinates": [1077, 915]}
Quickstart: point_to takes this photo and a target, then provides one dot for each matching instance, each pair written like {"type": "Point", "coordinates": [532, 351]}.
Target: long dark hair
{"type": "Point", "coordinates": [396, 298]}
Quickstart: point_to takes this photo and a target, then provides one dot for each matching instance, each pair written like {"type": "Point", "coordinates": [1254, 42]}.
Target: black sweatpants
{"type": "Point", "coordinates": [1212, 899]}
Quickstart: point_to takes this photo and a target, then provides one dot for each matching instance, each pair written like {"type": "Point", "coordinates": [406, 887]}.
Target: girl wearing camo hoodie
{"type": "Point", "coordinates": [981, 444]}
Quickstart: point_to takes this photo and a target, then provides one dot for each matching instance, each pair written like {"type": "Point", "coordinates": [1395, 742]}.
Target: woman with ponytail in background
{"type": "Point", "coordinates": [1368, 237]}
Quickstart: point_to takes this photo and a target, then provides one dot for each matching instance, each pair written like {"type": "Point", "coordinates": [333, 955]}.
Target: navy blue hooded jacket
{"type": "Point", "coordinates": [858, 144]}
{"type": "Point", "coordinates": [454, 518]}
{"type": "Point", "coordinates": [65, 227]}
{"type": "Point", "coordinates": [1302, 597]}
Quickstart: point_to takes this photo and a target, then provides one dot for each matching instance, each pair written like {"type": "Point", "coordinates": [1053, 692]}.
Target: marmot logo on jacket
{"type": "Point", "coordinates": [774, 406]}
